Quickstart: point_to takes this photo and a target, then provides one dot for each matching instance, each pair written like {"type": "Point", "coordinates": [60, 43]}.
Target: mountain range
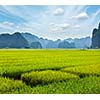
{"type": "Point", "coordinates": [28, 40]}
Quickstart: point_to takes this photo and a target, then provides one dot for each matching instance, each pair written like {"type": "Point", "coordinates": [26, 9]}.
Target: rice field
{"type": "Point", "coordinates": [49, 71]}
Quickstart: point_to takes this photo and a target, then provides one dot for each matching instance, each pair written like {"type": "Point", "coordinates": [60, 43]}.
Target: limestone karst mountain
{"type": "Point", "coordinates": [28, 40]}
{"type": "Point", "coordinates": [96, 37]}
{"type": "Point", "coordinates": [15, 40]}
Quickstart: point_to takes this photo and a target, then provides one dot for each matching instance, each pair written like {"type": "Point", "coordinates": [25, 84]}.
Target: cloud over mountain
{"type": "Point", "coordinates": [81, 16]}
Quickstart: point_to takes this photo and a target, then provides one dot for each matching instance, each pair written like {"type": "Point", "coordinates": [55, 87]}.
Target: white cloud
{"type": "Point", "coordinates": [82, 15]}
{"type": "Point", "coordinates": [76, 26]}
{"type": "Point", "coordinates": [62, 27]}
{"type": "Point", "coordinates": [8, 24]}
{"type": "Point", "coordinates": [58, 11]}
{"type": "Point", "coordinates": [58, 28]}
{"type": "Point", "coordinates": [65, 26]}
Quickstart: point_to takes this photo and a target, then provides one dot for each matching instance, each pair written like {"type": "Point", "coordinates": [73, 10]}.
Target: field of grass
{"type": "Point", "coordinates": [49, 71]}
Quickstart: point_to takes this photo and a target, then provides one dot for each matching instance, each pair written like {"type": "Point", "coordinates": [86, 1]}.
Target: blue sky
{"type": "Point", "coordinates": [50, 22]}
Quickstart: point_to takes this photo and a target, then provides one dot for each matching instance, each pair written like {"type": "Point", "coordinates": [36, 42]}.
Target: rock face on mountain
{"type": "Point", "coordinates": [96, 38]}
{"type": "Point", "coordinates": [15, 40]}
{"type": "Point", "coordinates": [53, 44]}
{"type": "Point", "coordinates": [66, 44]}
{"type": "Point", "coordinates": [4, 40]}
{"type": "Point", "coordinates": [36, 45]}
{"type": "Point", "coordinates": [80, 42]}
{"type": "Point", "coordinates": [44, 42]}
{"type": "Point", "coordinates": [29, 37]}
{"type": "Point", "coordinates": [32, 38]}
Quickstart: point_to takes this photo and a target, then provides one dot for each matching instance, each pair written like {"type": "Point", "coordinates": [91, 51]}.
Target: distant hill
{"type": "Point", "coordinates": [80, 42]}
{"type": "Point", "coordinates": [66, 44]}
{"type": "Point", "coordinates": [15, 40]}
{"type": "Point", "coordinates": [29, 37]}
{"type": "Point", "coordinates": [53, 44]}
{"type": "Point", "coordinates": [83, 42]}
{"type": "Point", "coordinates": [36, 45]}
{"type": "Point", "coordinates": [96, 38]}
{"type": "Point", "coordinates": [32, 38]}
{"type": "Point", "coordinates": [28, 40]}
{"type": "Point", "coordinates": [44, 42]}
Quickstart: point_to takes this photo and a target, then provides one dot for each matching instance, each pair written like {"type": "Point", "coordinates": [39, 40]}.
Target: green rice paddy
{"type": "Point", "coordinates": [49, 71]}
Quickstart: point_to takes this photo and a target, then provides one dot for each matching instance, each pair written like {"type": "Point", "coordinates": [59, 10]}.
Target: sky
{"type": "Point", "coordinates": [51, 22]}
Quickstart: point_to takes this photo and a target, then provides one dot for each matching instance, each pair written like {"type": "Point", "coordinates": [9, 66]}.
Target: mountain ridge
{"type": "Point", "coordinates": [28, 40]}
